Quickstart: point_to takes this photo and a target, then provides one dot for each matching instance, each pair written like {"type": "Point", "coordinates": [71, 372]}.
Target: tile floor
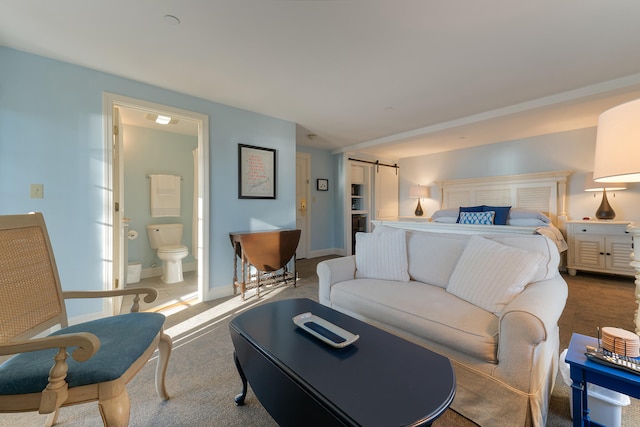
{"type": "Point", "coordinates": [171, 297]}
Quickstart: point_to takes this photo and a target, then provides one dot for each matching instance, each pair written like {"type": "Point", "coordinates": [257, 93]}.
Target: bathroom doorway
{"type": "Point", "coordinates": [127, 116]}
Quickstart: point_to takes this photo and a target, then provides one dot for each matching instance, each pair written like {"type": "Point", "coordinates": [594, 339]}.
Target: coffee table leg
{"type": "Point", "coordinates": [240, 397]}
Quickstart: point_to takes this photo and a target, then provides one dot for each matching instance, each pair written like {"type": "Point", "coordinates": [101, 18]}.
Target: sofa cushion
{"type": "Point", "coordinates": [426, 311]}
{"type": "Point", "coordinates": [433, 256]}
{"type": "Point", "coordinates": [548, 265]}
{"type": "Point", "coordinates": [490, 274]}
{"type": "Point", "coordinates": [382, 255]}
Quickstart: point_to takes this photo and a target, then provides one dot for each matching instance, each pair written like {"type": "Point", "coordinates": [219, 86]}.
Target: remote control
{"type": "Point", "coordinates": [614, 360]}
{"type": "Point", "coordinates": [324, 332]}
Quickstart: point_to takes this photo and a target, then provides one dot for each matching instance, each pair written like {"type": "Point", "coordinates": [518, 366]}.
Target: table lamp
{"type": "Point", "coordinates": [605, 211]}
{"type": "Point", "coordinates": [418, 192]}
{"type": "Point", "coordinates": [618, 160]}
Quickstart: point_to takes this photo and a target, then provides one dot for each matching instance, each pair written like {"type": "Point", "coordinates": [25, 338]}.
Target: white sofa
{"type": "Point", "coordinates": [489, 303]}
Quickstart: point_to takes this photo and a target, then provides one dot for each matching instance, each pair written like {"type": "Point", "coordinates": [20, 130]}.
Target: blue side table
{"type": "Point", "coordinates": [585, 371]}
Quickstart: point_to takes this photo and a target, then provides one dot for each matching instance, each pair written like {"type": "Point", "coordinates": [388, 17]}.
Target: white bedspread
{"type": "Point", "coordinates": [554, 234]}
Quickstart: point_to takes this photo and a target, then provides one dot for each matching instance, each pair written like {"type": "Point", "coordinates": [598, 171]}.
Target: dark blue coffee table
{"type": "Point", "coordinates": [380, 380]}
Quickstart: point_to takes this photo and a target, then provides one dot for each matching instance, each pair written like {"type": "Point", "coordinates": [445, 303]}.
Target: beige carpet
{"type": "Point", "coordinates": [202, 379]}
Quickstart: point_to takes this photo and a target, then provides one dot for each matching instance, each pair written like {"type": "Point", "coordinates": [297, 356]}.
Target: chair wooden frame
{"type": "Point", "coordinates": [17, 332]}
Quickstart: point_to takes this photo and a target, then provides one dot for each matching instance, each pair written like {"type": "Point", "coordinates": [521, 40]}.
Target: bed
{"type": "Point", "coordinates": [537, 201]}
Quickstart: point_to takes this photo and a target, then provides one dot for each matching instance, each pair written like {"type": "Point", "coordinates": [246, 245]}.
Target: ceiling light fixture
{"type": "Point", "coordinates": [160, 119]}
{"type": "Point", "coordinates": [163, 120]}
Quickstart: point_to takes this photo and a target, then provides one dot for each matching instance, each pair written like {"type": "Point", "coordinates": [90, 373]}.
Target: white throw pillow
{"type": "Point", "coordinates": [490, 274]}
{"type": "Point", "coordinates": [382, 255]}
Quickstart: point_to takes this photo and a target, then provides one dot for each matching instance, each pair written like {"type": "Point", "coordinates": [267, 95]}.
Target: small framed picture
{"type": "Point", "coordinates": [322, 184]}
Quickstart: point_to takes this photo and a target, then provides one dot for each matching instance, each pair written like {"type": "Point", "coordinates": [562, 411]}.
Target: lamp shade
{"type": "Point", "coordinates": [418, 192]}
{"type": "Point", "coordinates": [618, 144]}
{"type": "Point", "coordinates": [591, 185]}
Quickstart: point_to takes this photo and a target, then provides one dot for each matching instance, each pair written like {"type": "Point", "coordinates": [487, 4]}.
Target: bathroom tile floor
{"type": "Point", "coordinates": [172, 297]}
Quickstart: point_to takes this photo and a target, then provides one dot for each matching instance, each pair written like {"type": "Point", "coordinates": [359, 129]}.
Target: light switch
{"type": "Point", "coordinates": [37, 191]}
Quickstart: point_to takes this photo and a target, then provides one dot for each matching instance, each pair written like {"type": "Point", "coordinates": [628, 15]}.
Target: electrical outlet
{"type": "Point", "coordinates": [37, 191]}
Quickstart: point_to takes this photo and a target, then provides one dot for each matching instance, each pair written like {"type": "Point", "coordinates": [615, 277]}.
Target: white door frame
{"type": "Point", "coordinates": [307, 223]}
{"type": "Point", "coordinates": [112, 218]}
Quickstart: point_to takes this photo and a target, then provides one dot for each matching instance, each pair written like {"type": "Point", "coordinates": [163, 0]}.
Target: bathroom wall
{"type": "Point", "coordinates": [149, 151]}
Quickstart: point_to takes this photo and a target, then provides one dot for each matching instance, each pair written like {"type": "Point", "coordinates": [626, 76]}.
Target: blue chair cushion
{"type": "Point", "coordinates": [123, 339]}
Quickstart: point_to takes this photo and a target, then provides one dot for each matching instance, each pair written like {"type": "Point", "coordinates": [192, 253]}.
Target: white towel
{"type": "Point", "coordinates": [165, 195]}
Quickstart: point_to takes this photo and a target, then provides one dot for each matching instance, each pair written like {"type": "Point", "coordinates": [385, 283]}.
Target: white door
{"type": "Point", "coordinates": [386, 193]}
{"type": "Point", "coordinates": [119, 277]}
{"type": "Point", "coordinates": [303, 162]}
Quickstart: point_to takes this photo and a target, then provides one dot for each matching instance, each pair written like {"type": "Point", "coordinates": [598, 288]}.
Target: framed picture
{"type": "Point", "coordinates": [322, 184]}
{"type": "Point", "coordinates": [256, 172]}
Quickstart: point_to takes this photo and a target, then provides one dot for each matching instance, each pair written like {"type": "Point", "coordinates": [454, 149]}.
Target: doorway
{"type": "Point", "coordinates": [113, 106]}
{"type": "Point", "coordinates": [303, 166]}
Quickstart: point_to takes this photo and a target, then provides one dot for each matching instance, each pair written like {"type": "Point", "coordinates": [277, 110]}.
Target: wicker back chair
{"type": "Point", "coordinates": [106, 353]}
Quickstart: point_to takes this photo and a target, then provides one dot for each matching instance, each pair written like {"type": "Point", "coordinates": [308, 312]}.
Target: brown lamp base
{"type": "Point", "coordinates": [605, 211]}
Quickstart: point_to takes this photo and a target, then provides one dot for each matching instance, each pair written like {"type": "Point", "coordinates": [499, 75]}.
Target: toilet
{"type": "Point", "coordinates": [166, 239]}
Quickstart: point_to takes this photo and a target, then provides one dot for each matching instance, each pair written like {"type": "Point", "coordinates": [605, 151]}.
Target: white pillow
{"type": "Point", "coordinates": [446, 219]}
{"type": "Point", "coordinates": [445, 213]}
{"type": "Point", "coordinates": [521, 213]}
{"type": "Point", "coordinates": [490, 274]}
{"type": "Point", "coordinates": [382, 255]}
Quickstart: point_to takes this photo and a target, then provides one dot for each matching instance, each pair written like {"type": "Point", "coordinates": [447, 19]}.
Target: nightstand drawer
{"type": "Point", "coordinates": [600, 229]}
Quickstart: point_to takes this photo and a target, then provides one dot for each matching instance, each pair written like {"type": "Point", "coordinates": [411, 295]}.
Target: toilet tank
{"type": "Point", "coordinates": [164, 234]}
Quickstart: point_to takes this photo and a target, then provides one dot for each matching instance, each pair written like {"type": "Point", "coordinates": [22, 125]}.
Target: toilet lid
{"type": "Point", "coordinates": [172, 248]}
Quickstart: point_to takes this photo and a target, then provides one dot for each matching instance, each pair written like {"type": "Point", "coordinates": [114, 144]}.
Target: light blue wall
{"type": "Point", "coordinates": [51, 133]}
{"type": "Point", "coordinates": [146, 152]}
{"type": "Point", "coordinates": [573, 150]}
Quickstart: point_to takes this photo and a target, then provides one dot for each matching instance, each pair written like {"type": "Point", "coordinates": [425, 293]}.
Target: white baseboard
{"type": "Point", "coordinates": [218, 292]}
{"type": "Point", "coordinates": [157, 271]}
{"type": "Point", "coordinates": [326, 252]}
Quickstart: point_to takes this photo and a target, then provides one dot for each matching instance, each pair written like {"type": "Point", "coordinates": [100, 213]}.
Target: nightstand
{"type": "Point", "coordinates": [599, 246]}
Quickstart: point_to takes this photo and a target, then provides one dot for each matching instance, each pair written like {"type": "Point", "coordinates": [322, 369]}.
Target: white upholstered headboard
{"type": "Point", "coordinates": [543, 191]}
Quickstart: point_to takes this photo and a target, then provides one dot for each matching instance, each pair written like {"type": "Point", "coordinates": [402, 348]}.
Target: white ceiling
{"type": "Point", "coordinates": [394, 78]}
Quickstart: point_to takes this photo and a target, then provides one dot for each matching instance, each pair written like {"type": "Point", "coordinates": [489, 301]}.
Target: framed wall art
{"type": "Point", "coordinates": [322, 184]}
{"type": "Point", "coordinates": [256, 172]}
